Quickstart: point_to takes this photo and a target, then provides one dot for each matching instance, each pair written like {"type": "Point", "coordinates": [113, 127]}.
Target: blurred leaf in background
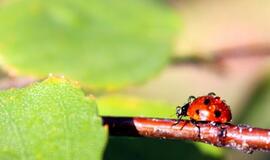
{"type": "Point", "coordinates": [52, 120]}
{"type": "Point", "coordinates": [256, 112]}
{"type": "Point", "coordinates": [121, 105]}
{"type": "Point", "coordinates": [104, 44]}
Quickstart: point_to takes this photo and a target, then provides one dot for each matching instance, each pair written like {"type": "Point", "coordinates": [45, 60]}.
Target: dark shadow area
{"type": "Point", "coordinates": [120, 126]}
{"type": "Point", "coordinates": [131, 148]}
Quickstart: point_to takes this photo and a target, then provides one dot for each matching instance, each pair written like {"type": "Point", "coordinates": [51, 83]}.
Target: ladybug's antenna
{"type": "Point", "coordinates": [212, 94]}
{"type": "Point", "coordinates": [191, 98]}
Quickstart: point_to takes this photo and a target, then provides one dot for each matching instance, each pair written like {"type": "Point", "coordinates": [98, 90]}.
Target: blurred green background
{"type": "Point", "coordinates": [144, 57]}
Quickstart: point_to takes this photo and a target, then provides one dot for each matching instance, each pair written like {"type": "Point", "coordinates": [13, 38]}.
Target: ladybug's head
{"type": "Point", "coordinates": [182, 110]}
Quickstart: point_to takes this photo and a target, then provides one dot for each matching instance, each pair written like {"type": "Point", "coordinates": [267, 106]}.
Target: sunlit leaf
{"type": "Point", "coordinates": [52, 120]}
{"type": "Point", "coordinates": [105, 44]}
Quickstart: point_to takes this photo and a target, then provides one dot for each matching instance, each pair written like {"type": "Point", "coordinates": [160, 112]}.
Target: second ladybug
{"type": "Point", "coordinates": [209, 108]}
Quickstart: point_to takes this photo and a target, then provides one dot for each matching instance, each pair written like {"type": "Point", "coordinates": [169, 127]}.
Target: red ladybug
{"type": "Point", "coordinates": [209, 108]}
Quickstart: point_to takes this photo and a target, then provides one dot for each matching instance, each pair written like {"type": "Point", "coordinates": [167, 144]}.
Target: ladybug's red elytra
{"type": "Point", "coordinates": [209, 108]}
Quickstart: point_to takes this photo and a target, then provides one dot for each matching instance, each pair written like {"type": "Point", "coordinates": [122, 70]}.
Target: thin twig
{"type": "Point", "coordinates": [223, 54]}
{"type": "Point", "coordinates": [240, 137]}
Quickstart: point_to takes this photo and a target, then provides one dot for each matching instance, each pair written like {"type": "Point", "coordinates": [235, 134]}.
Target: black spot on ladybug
{"type": "Point", "coordinates": [217, 113]}
{"type": "Point", "coordinates": [198, 111]}
{"type": "Point", "coordinates": [206, 101]}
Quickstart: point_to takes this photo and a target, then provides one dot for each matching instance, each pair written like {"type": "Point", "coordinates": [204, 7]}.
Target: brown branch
{"type": "Point", "coordinates": [240, 137]}
{"type": "Point", "coordinates": [259, 50]}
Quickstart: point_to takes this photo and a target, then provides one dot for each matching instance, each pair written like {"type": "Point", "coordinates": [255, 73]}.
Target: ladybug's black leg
{"type": "Point", "coordinates": [178, 114]}
{"type": "Point", "coordinates": [195, 123]}
{"type": "Point", "coordinates": [222, 134]}
{"type": "Point", "coordinates": [222, 130]}
{"type": "Point", "coordinates": [178, 121]}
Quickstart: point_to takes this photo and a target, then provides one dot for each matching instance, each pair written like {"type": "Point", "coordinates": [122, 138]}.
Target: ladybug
{"type": "Point", "coordinates": [209, 108]}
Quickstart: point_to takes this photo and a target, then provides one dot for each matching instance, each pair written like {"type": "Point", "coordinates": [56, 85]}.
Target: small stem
{"type": "Point", "coordinates": [259, 50]}
{"type": "Point", "coordinates": [240, 137]}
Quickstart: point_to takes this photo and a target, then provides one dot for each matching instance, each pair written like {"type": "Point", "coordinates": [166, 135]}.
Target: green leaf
{"type": "Point", "coordinates": [256, 109]}
{"type": "Point", "coordinates": [120, 105]}
{"type": "Point", "coordinates": [105, 44]}
{"type": "Point", "coordinates": [52, 120]}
